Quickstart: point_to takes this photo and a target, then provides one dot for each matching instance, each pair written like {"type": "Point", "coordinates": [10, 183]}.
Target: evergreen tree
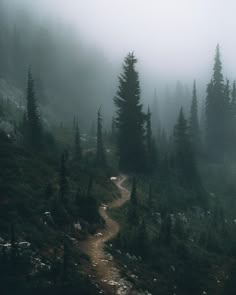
{"type": "Point", "coordinates": [24, 127]}
{"type": "Point", "coordinates": [1, 109]}
{"type": "Point", "coordinates": [149, 138]}
{"type": "Point", "coordinates": [132, 211]}
{"type": "Point", "coordinates": [179, 96]}
{"type": "Point", "coordinates": [216, 111]}
{"type": "Point", "coordinates": [88, 204]}
{"type": "Point", "coordinates": [150, 195]}
{"type": "Point", "coordinates": [227, 120]}
{"type": "Point", "coordinates": [185, 167]}
{"type": "Point", "coordinates": [230, 285]}
{"type": "Point", "coordinates": [100, 153]}
{"type": "Point", "coordinates": [233, 116]}
{"type": "Point", "coordinates": [142, 240]}
{"type": "Point", "coordinates": [34, 129]}
{"type": "Point", "coordinates": [63, 183]}
{"type": "Point", "coordinates": [166, 231]}
{"type": "Point", "coordinates": [130, 118]}
{"type": "Point", "coordinates": [150, 144]}
{"type": "Point", "coordinates": [74, 122]}
{"type": "Point", "coordinates": [194, 122]}
{"type": "Point", "coordinates": [169, 113]}
{"type": "Point", "coordinates": [92, 131]}
{"type": "Point", "coordinates": [155, 119]}
{"type": "Point", "coordinates": [113, 129]}
{"type": "Point", "coordinates": [14, 248]}
{"type": "Point", "coordinates": [65, 261]}
{"type": "Point", "coordinates": [209, 116]}
{"type": "Point", "coordinates": [184, 157]}
{"type": "Point", "coordinates": [233, 100]}
{"type": "Point", "coordinates": [77, 143]}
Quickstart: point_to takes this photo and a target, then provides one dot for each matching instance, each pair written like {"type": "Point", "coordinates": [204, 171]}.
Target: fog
{"type": "Point", "coordinates": [172, 39]}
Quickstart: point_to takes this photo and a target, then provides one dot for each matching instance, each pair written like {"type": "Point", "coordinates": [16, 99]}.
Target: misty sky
{"type": "Point", "coordinates": [173, 39]}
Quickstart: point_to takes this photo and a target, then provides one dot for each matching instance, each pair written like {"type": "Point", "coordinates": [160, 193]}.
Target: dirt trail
{"type": "Point", "coordinates": [107, 274]}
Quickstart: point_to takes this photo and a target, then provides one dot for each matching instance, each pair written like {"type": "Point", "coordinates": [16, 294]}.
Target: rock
{"type": "Point", "coordinates": [77, 226]}
{"type": "Point", "coordinates": [24, 245]}
{"type": "Point", "coordinates": [113, 178]}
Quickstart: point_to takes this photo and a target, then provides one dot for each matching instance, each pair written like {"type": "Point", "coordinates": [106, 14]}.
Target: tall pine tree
{"type": "Point", "coordinates": [77, 143]}
{"type": "Point", "coordinates": [100, 153]}
{"type": "Point", "coordinates": [233, 99]}
{"type": "Point", "coordinates": [216, 111]}
{"type": "Point", "coordinates": [156, 123]}
{"type": "Point", "coordinates": [113, 129]}
{"type": "Point", "coordinates": [132, 211]}
{"type": "Point", "coordinates": [227, 117]}
{"type": "Point", "coordinates": [186, 171]}
{"type": "Point", "coordinates": [233, 116]}
{"type": "Point", "coordinates": [130, 118]}
{"type": "Point", "coordinates": [63, 183]}
{"type": "Point", "coordinates": [150, 145]}
{"type": "Point", "coordinates": [194, 122]}
{"type": "Point", "coordinates": [34, 126]}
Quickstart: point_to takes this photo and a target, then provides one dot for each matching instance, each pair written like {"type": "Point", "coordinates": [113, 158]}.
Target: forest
{"type": "Point", "coordinates": [108, 186]}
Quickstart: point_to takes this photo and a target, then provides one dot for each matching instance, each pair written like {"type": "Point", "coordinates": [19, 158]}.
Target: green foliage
{"type": "Point", "coordinates": [176, 237]}
{"type": "Point", "coordinates": [132, 213]}
{"type": "Point", "coordinates": [130, 119]}
{"type": "Point", "coordinates": [87, 204]}
{"type": "Point", "coordinates": [100, 151]}
{"type": "Point", "coordinates": [34, 126]}
{"type": "Point", "coordinates": [43, 203]}
{"type": "Point", "coordinates": [150, 146]}
{"type": "Point", "coordinates": [77, 144]}
{"type": "Point", "coordinates": [194, 128]}
{"type": "Point", "coordinates": [229, 288]}
{"type": "Point", "coordinates": [63, 183]}
{"type": "Point", "coordinates": [184, 161]}
{"type": "Point", "coordinates": [217, 112]}
{"type": "Point", "coordinates": [171, 224]}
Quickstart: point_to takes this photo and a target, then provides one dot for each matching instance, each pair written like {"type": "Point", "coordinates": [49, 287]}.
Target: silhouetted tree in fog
{"type": "Point", "coordinates": [184, 156]}
{"type": "Point", "coordinates": [156, 123]}
{"type": "Point", "coordinates": [100, 155]}
{"type": "Point", "coordinates": [34, 126]}
{"type": "Point", "coordinates": [216, 111]}
{"type": "Point", "coordinates": [194, 122]}
{"type": "Point", "coordinates": [132, 211]}
{"type": "Point", "coordinates": [227, 117]}
{"type": "Point", "coordinates": [77, 143]}
{"type": "Point", "coordinates": [233, 117]}
{"type": "Point", "coordinates": [150, 145]}
{"type": "Point", "coordinates": [63, 183]}
{"type": "Point", "coordinates": [130, 118]}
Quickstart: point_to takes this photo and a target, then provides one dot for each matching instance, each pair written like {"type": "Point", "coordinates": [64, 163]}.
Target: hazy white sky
{"type": "Point", "coordinates": [174, 38]}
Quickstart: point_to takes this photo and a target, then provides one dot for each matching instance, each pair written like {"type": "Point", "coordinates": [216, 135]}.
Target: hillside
{"type": "Point", "coordinates": [71, 76]}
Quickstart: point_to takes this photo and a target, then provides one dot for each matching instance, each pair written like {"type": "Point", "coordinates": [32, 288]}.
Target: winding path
{"type": "Point", "coordinates": [108, 275]}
